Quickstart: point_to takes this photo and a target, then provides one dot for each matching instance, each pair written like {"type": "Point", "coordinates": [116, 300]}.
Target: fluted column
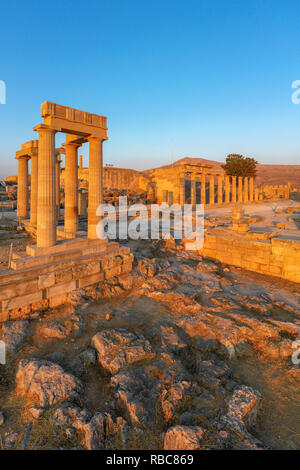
{"type": "Point", "coordinates": [46, 210]}
{"type": "Point", "coordinates": [193, 191]}
{"type": "Point", "coordinates": [256, 194]}
{"type": "Point", "coordinates": [212, 189]}
{"type": "Point", "coordinates": [227, 189]}
{"type": "Point", "coordinates": [251, 188]}
{"type": "Point", "coordinates": [220, 189]}
{"type": "Point", "coordinates": [22, 202]}
{"type": "Point", "coordinates": [34, 189]}
{"type": "Point", "coordinates": [203, 188]}
{"type": "Point", "coordinates": [95, 184]}
{"type": "Point", "coordinates": [240, 189]}
{"type": "Point", "coordinates": [71, 187]}
{"type": "Point", "coordinates": [82, 203]}
{"type": "Point", "coordinates": [246, 189]}
{"type": "Point", "coordinates": [233, 188]}
{"type": "Point", "coordinates": [182, 191]}
{"type": "Point", "coordinates": [57, 189]}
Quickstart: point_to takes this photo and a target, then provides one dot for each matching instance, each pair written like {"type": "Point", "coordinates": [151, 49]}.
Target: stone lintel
{"type": "Point", "coordinates": [73, 121]}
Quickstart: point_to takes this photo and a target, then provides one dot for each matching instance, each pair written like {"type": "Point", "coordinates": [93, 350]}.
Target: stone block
{"type": "Point", "coordinates": [14, 289]}
{"type": "Point", "coordinates": [85, 269]}
{"type": "Point", "coordinates": [46, 280]}
{"type": "Point", "coordinates": [61, 289]}
{"type": "Point", "coordinates": [57, 300]}
{"type": "Point", "coordinates": [65, 275]}
{"type": "Point", "coordinates": [115, 271]}
{"type": "Point", "coordinates": [89, 280]}
{"type": "Point", "coordinates": [127, 267]}
{"type": "Point", "coordinates": [21, 301]}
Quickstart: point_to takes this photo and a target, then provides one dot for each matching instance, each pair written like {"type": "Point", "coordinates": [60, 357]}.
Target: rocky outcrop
{"type": "Point", "coordinates": [45, 383]}
{"type": "Point", "coordinates": [99, 430]}
{"type": "Point", "coordinates": [14, 334]}
{"type": "Point", "coordinates": [184, 438]}
{"type": "Point", "coordinates": [119, 348]}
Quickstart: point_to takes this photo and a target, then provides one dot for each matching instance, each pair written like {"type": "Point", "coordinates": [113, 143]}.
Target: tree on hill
{"type": "Point", "coordinates": [238, 165]}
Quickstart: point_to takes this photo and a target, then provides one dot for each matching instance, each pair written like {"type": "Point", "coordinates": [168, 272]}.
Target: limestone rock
{"type": "Point", "coordinates": [184, 438]}
{"type": "Point", "coordinates": [138, 393]}
{"type": "Point", "coordinates": [242, 412]}
{"type": "Point", "coordinates": [118, 348]}
{"type": "Point", "coordinates": [45, 383]}
{"type": "Point", "coordinates": [55, 330]}
{"type": "Point", "coordinates": [1, 418]}
{"type": "Point", "coordinates": [10, 440]}
{"type": "Point", "coordinates": [14, 334]}
{"type": "Point", "coordinates": [97, 430]}
{"type": "Point", "coordinates": [174, 395]}
{"type": "Point", "coordinates": [212, 373]}
{"type": "Point", "coordinates": [167, 337]}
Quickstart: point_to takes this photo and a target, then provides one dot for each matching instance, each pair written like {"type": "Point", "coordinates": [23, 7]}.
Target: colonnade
{"type": "Point", "coordinates": [207, 188]}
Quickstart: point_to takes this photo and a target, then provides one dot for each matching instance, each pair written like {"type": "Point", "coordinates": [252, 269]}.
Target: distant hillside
{"type": "Point", "coordinates": [266, 174]}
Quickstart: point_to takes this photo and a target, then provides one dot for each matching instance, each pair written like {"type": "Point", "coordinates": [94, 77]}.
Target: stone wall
{"type": "Point", "coordinates": [28, 289]}
{"type": "Point", "coordinates": [116, 178]}
{"type": "Point", "coordinates": [276, 257]}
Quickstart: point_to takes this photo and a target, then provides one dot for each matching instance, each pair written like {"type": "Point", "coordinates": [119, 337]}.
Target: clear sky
{"type": "Point", "coordinates": [196, 78]}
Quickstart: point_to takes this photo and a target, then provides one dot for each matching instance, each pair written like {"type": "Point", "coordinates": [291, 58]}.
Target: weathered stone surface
{"type": "Point", "coordinates": [14, 334]}
{"type": "Point", "coordinates": [242, 409]}
{"type": "Point", "coordinates": [97, 430]}
{"type": "Point", "coordinates": [55, 330]}
{"type": "Point", "coordinates": [167, 337]}
{"type": "Point", "coordinates": [138, 393]}
{"type": "Point", "coordinates": [1, 418]}
{"type": "Point", "coordinates": [45, 383]}
{"type": "Point", "coordinates": [212, 373]}
{"type": "Point", "coordinates": [118, 348]}
{"type": "Point", "coordinates": [174, 395]}
{"type": "Point", "coordinates": [10, 440]}
{"type": "Point", "coordinates": [184, 438]}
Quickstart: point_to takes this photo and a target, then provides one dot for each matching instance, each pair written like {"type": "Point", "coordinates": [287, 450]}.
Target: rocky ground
{"type": "Point", "coordinates": [183, 353]}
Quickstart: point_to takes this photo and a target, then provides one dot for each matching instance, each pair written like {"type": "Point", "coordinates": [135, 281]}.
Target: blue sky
{"type": "Point", "coordinates": [196, 78]}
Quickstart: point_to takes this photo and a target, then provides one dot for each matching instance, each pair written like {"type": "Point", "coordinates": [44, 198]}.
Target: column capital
{"type": "Point", "coordinates": [94, 138]}
{"type": "Point", "coordinates": [44, 128]}
{"type": "Point", "coordinates": [71, 144]}
{"type": "Point", "coordinates": [23, 157]}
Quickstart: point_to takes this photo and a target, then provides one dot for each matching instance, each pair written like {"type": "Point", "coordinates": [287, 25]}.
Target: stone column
{"type": "Point", "coordinates": [46, 211]}
{"type": "Point", "coordinates": [203, 188]}
{"type": "Point", "coordinates": [71, 187]}
{"type": "Point", "coordinates": [246, 189]}
{"type": "Point", "coordinates": [95, 184]}
{"type": "Point", "coordinates": [34, 189]}
{"type": "Point", "coordinates": [251, 188]}
{"type": "Point", "coordinates": [220, 189]}
{"type": "Point", "coordinates": [233, 188]}
{"type": "Point", "coordinates": [81, 162]}
{"type": "Point", "coordinates": [212, 189]}
{"type": "Point", "coordinates": [227, 189]}
{"type": "Point", "coordinates": [193, 190]}
{"type": "Point", "coordinates": [256, 194]}
{"type": "Point", "coordinates": [82, 203]}
{"type": "Point", "coordinates": [240, 189]}
{"type": "Point", "coordinates": [182, 191]}
{"type": "Point", "coordinates": [57, 191]}
{"type": "Point", "coordinates": [22, 203]}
